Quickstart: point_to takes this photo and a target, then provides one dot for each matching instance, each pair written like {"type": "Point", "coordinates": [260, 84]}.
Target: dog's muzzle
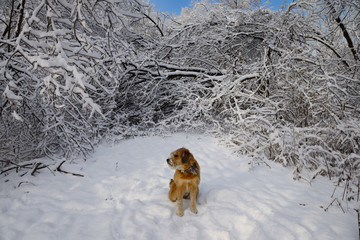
{"type": "Point", "coordinates": [169, 162]}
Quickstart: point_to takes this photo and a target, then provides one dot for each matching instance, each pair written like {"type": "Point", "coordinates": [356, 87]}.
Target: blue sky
{"type": "Point", "coordinates": [174, 6]}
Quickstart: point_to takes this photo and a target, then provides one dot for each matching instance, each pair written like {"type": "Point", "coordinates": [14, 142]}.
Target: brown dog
{"type": "Point", "coordinates": [186, 179]}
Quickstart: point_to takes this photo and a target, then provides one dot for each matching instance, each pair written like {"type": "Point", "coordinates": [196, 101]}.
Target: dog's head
{"type": "Point", "coordinates": [179, 159]}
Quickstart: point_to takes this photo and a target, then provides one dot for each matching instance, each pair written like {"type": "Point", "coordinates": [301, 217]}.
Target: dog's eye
{"type": "Point", "coordinates": [176, 155]}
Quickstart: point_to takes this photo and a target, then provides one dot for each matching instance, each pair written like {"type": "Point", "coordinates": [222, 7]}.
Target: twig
{"type": "Point", "coordinates": [358, 213]}
{"type": "Point", "coordinates": [63, 171]}
{"type": "Point", "coordinates": [50, 169]}
{"type": "Point", "coordinates": [36, 167]}
{"type": "Point", "coordinates": [17, 166]}
{"type": "Point", "coordinates": [328, 170]}
{"type": "Point", "coordinates": [338, 183]}
{"type": "Point", "coordinates": [25, 182]}
{"type": "Point", "coordinates": [338, 203]}
{"type": "Point", "coordinates": [358, 191]}
{"type": "Point", "coordinates": [345, 188]}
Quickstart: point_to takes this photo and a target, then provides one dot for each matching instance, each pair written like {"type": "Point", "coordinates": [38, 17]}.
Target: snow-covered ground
{"type": "Point", "coordinates": [124, 196]}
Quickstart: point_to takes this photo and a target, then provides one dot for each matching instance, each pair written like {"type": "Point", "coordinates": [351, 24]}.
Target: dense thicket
{"type": "Point", "coordinates": [281, 86]}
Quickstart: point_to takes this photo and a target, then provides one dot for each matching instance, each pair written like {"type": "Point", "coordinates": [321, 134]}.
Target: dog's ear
{"type": "Point", "coordinates": [185, 156]}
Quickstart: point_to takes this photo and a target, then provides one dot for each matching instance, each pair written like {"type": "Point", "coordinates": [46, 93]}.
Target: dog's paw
{"type": "Point", "coordinates": [180, 213]}
{"type": "Point", "coordinates": [194, 210]}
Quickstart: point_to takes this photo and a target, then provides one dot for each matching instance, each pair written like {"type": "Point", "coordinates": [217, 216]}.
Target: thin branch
{"type": "Point", "coordinates": [21, 17]}
{"type": "Point", "coordinates": [63, 171]}
{"type": "Point", "coordinates": [343, 29]}
{"type": "Point", "coordinates": [330, 47]}
{"type": "Point", "coordinates": [156, 25]}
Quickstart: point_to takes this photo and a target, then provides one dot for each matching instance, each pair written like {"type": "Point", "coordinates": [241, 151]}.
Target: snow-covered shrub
{"type": "Point", "coordinates": [60, 69]}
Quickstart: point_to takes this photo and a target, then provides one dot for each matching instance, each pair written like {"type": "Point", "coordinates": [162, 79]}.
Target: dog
{"type": "Point", "coordinates": [186, 179]}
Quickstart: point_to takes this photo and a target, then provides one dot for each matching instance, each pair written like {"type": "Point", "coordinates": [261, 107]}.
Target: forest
{"type": "Point", "coordinates": [279, 86]}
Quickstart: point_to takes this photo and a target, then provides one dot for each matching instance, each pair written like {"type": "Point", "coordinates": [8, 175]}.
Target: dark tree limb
{"type": "Point", "coordinates": [21, 18]}
{"type": "Point", "coordinates": [63, 171]}
{"type": "Point", "coordinates": [156, 25]}
{"type": "Point", "coordinates": [330, 47]}
{"type": "Point", "coordinates": [36, 167]}
{"type": "Point", "coordinates": [343, 29]}
{"type": "Point", "coordinates": [15, 166]}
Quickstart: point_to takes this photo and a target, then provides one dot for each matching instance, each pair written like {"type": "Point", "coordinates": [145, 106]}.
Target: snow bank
{"type": "Point", "coordinates": [124, 196]}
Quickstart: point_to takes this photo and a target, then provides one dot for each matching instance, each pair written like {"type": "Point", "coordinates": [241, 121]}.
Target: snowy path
{"type": "Point", "coordinates": [124, 196]}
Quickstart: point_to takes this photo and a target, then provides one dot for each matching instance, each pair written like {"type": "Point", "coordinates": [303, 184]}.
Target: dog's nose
{"type": "Point", "coordinates": [168, 160]}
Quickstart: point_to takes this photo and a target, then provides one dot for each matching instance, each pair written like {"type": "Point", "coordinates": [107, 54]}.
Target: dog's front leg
{"type": "Point", "coordinates": [193, 194]}
{"type": "Point", "coordinates": [172, 191]}
{"type": "Point", "coordinates": [179, 201]}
